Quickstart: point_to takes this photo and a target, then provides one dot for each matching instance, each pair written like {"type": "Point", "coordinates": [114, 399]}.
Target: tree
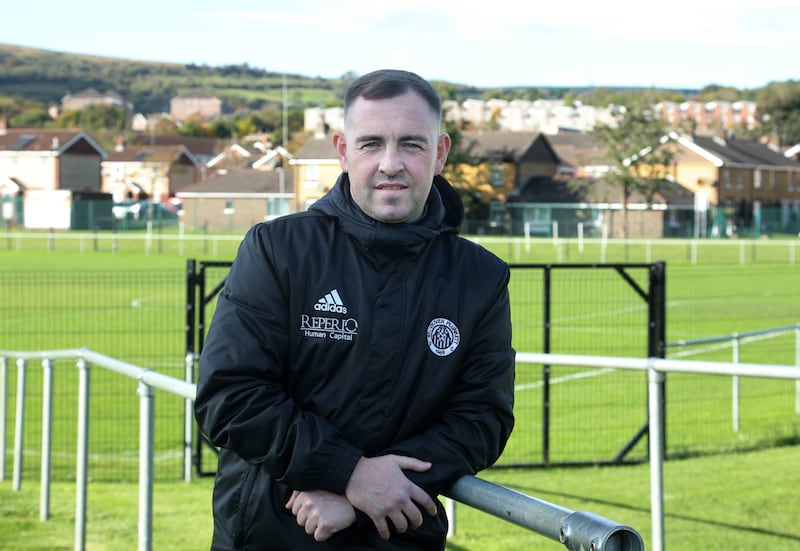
{"type": "Point", "coordinates": [639, 154]}
{"type": "Point", "coordinates": [95, 117]}
{"type": "Point", "coordinates": [779, 106]}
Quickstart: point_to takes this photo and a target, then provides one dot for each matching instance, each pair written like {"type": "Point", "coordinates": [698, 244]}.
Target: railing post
{"type": "Point", "coordinates": [3, 414]}
{"type": "Point", "coordinates": [81, 471]}
{"type": "Point", "coordinates": [735, 390]}
{"type": "Point", "coordinates": [655, 385]}
{"type": "Point", "coordinates": [797, 363]}
{"type": "Point", "coordinates": [188, 422]}
{"type": "Point", "coordinates": [19, 424]}
{"type": "Point", "coordinates": [450, 510]}
{"type": "Point", "coordinates": [47, 424]}
{"type": "Point", "coordinates": [146, 442]}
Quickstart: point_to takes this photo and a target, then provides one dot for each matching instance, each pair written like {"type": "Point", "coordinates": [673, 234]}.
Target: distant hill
{"type": "Point", "coordinates": [47, 76]}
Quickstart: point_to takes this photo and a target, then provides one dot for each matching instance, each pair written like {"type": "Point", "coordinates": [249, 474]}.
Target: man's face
{"type": "Point", "coordinates": [391, 150]}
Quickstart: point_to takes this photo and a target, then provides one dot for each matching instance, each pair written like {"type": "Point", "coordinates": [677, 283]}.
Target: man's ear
{"type": "Point", "coordinates": [340, 144]}
{"type": "Point", "coordinates": [442, 149]}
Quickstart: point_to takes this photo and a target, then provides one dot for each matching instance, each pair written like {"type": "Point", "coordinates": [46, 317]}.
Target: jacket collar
{"type": "Point", "coordinates": [444, 213]}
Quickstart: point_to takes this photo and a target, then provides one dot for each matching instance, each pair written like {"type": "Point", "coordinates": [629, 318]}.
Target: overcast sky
{"type": "Point", "coordinates": [676, 44]}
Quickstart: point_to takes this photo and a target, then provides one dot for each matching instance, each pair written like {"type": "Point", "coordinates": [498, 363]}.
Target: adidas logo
{"type": "Point", "coordinates": [331, 302]}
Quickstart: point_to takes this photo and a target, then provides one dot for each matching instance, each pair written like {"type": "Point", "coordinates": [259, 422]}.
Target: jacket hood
{"type": "Point", "coordinates": [444, 212]}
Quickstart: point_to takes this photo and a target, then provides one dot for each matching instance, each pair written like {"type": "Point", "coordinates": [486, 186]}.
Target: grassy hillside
{"type": "Point", "coordinates": [47, 76]}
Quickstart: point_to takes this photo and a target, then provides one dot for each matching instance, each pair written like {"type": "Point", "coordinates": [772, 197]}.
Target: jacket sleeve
{"type": "Point", "coordinates": [478, 418]}
{"type": "Point", "coordinates": [241, 403]}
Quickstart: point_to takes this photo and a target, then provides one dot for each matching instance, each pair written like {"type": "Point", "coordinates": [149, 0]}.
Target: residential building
{"type": "Point", "coordinates": [190, 106]}
{"type": "Point", "coordinates": [50, 159]}
{"type": "Point", "coordinates": [237, 199]}
{"type": "Point", "coordinates": [316, 167]}
{"type": "Point", "coordinates": [90, 96]}
{"type": "Point", "coordinates": [152, 172]}
{"type": "Point", "coordinates": [708, 117]}
{"type": "Point", "coordinates": [752, 185]}
{"type": "Point", "coordinates": [45, 176]}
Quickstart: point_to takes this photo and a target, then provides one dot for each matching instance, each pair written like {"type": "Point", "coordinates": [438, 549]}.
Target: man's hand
{"type": "Point", "coordinates": [321, 513]}
{"type": "Point", "coordinates": [379, 488]}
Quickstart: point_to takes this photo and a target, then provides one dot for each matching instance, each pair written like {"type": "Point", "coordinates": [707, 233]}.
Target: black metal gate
{"type": "Point", "coordinates": [205, 279]}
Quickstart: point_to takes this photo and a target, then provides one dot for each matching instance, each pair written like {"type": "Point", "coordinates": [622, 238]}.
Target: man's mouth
{"type": "Point", "coordinates": [391, 186]}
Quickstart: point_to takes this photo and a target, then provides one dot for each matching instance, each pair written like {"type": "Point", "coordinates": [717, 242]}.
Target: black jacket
{"type": "Point", "coordinates": [338, 336]}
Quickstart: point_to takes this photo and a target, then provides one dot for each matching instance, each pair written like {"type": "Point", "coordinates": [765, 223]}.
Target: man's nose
{"type": "Point", "coordinates": [391, 161]}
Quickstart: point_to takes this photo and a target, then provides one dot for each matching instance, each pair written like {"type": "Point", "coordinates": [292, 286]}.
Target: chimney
{"type": "Point", "coordinates": [3, 125]}
{"type": "Point", "coordinates": [55, 143]}
{"type": "Point", "coordinates": [120, 145]}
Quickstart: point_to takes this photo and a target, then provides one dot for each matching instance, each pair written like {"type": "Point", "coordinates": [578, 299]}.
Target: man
{"type": "Point", "coordinates": [359, 360]}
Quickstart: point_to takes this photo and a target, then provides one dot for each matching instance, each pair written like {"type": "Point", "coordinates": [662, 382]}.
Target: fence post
{"type": "Point", "coordinates": [146, 442]}
{"type": "Point", "coordinates": [735, 389]}
{"type": "Point", "coordinates": [19, 424]}
{"type": "Point", "coordinates": [3, 414]}
{"type": "Point", "coordinates": [655, 387]}
{"type": "Point", "coordinates": [47, 418]}
{"type": "Point", "coordinates": [81, 470]}
{"type": "Point", "coordinates": [797, 363]}
{"type": "Point", "coordinates": [191, 317]}
{"type": "Point", "coordinates": [188, 422]}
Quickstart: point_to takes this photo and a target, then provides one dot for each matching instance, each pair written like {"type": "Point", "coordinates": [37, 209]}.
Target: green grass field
{"type": "Point", "coordinates": [713, 288]}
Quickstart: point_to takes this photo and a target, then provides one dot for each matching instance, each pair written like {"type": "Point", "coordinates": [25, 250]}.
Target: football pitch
{"type": "Point", "coordinates": [130, 304]}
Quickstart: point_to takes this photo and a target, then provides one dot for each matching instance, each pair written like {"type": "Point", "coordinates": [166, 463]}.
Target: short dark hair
{"type": "Point", "coordinates": [390, 83]}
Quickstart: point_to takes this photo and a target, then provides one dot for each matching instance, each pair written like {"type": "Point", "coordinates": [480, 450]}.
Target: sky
{"type": "Point", "coordinates": [681, 44]}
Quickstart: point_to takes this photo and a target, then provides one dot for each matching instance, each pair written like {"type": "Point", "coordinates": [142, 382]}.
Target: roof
{"type": "Point", "coordinates": [242, 182]}
{"type": "Point", "coordinates": [733, 151]}
{"type": "Point", "coordinates": [46, 140]}
{"type": "Point", "coordinates": [579, 149]}
{"type": "Point", "coordinates": [91, 93]}
{"type": "Point", "coordinates": [497, 145]}
{"type": "Point", "coordinates": [542, 189]}
{"type": "Point", "coordinates": [151, 153]}
{"type": "Point", "coordinates": [200, 147]}
{"type": "Point", "coordinates": [315, 149]}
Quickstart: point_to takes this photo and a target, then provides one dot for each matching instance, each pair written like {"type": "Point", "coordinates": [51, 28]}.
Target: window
{"type": "Point", "coordinates": [312, 173]}
{"type": "Point", "coordinates": [727, 177]}
{"type": "Point", "coordinates": [739, 179]}
{"type": "Point", "coordinates": [496, 172]}
{"type": "Point", "coordinates": [756, 179]}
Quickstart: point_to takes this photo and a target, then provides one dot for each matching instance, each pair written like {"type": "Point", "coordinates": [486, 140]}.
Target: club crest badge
{"type": "Point", "coordinates": [443, 336]}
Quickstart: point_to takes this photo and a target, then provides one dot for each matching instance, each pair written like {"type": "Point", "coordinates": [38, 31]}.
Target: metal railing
{"type": "Point", "coordinates": [656, 368]}
{"type": "Point", "coordinates": [736, 340]}
{"type": "Point", "coordinates": [577, 530]}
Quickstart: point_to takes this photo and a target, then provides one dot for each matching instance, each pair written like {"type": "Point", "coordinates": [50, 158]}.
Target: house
{"type": "Point", "coordinates": [745, 183]}
{"type": "Point", "coordinates": [316, 168]}
{"type": "Point", "coordinates": [195, 106]}
{"type": "Point", "coordinates": [202, 149]}
{"type": "Point", "coordinates": [567, 193]}
{"type": "Point", "coordinates": [50, 159]}
{"type": "Point", "coordinates": [235, 200]}
{"type": "Point", "coordinates": [704, 117]}
{"type": "Point", "coordinates": [52, 170]}
{"type": "Point", "coordinates": [90, 96]}
{"type": "Point", "coordinates": [151, 172]}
